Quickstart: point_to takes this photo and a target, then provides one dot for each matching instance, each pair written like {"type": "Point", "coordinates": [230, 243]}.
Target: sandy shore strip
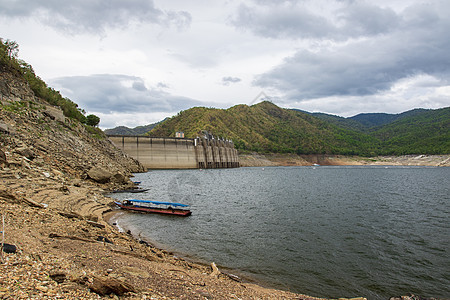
{"type": "Point", "coordinates": [287, 159]}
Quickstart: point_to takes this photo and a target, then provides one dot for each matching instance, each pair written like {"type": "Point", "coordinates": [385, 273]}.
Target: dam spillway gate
{"type": "Point", "coordinates": [178, 153]}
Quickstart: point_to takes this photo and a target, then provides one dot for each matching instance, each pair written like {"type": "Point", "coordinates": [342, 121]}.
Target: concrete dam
{"type": "Point", "coordinates": [178, 153]}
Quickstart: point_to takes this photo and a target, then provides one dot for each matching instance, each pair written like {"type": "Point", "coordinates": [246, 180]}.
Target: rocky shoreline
{"type": "Point", "coordinates": [54, 174]}
{"type": "Point", "coordinates": [276, 159]}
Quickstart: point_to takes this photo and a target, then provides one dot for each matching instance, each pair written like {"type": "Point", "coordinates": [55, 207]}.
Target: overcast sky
{"type": "Point", "coordinates": [135, 62]}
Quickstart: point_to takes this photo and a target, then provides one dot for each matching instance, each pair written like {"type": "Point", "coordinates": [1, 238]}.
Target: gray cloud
{"type": "Point", "coordinates": [94, 16]}
{"type": "Point", "coordinates": [108, 93]}
{"type": "Point", "coordinates": [295, 20]}
{"type": "Point", "coordinates": [419, 45]}
{"type": "Point", "coordinates": [227, 80]}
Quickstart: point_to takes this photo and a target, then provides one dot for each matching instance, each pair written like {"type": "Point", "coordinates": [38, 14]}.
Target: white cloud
{"type": "Point", "coordinates": [368, 66]}
{"type": "Point", "coordinates": [93, 16]}
{"type": "Point", "coordinates": [120, 93]}
{"type": "Point", "coordinates": [154, 58]}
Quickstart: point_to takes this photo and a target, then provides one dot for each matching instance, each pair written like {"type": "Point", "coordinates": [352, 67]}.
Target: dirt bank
{"type": "Point", "coordinates": [275, 159]}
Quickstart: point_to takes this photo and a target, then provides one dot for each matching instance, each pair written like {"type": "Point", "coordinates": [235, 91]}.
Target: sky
{"type": "Point", "coordinates": [135, 62]}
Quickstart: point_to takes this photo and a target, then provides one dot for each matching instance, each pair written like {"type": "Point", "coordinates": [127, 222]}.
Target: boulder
{"type": "Point", "coordinates": [5, 128]}
{"type": "Point", "coordinates": [120, 178]}
{"type": "Point", "coordinates": [27, 152]}
{"type": "Point", "coordinates": [58, 276]}
{"type": "Point", "coordinates": [54, 113]}
{"type": "Point", "coordinates": [107, 286]}
{"type": "Point", "coordinates": [8, 248]}
{"type": "Point", "coordinates": [99, 175]}
{"type": "Point", "coordinates": [2, 157]}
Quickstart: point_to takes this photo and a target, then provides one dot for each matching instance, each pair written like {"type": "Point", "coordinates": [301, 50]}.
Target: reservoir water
{"type": "Point", "coordinates": [323, 231]}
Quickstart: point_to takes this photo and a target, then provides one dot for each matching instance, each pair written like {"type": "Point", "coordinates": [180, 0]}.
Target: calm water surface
{"type": "Point", "coordinates": [325, 231]}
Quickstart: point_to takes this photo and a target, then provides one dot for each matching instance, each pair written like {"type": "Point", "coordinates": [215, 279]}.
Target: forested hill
{"type": "Point", "coordinates": [265, 127]}
{"type": "Point", "coordinates": [139, 130]}
{"type": "Point", "coordinates": [366, 122]}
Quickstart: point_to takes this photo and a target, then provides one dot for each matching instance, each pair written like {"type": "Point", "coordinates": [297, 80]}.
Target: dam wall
{"type": "Point", "coordinates": [178, 153]}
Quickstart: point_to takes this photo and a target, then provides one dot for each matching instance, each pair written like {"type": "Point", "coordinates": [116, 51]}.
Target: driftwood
{"type": "Point", "coordinates": [95, 224]}
{"type": "Point", "coordinates": [233, 277]}
{"type": "Point", "coordinates": [69, 237]}
{"type": "Point", "coordinates": [215, 270]}
{"type": "Point", "coordinates": [3, 236]}
{"type": "Point", "coordinates": [10, 197]}
{"type": "Point", "coordinates": [70, 215]}
{"type": "Point", "coordinates": [33, 203]}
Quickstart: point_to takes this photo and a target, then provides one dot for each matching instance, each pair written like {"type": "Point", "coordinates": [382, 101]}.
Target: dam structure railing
{"type": "Point", "coordinates": [178, 153]}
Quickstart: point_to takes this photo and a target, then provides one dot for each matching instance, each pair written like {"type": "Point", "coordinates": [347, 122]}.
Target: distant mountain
{"type": "Point", "coordinates": [370, 120]}
{"type": "Point", "coordinates": [418, 131]}
{"type": "Point", "coordinates": [139, 130]}
{"type": "Point", "coordinates": [346, 123]}
{"type": "Point", "coordinates": [265, 127]}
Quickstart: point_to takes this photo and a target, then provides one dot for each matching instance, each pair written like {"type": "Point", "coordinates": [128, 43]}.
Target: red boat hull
{"type": "Point", "coordinates": [165, 211]}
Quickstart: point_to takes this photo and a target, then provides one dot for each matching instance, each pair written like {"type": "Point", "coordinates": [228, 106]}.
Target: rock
{"type": "Point", "coordinates": [120, 178]}
{"type": "Point", "coordinates": [204, 294]}
{"type": "Point", "coordinates": [135, 272]}
{"type": "Point", "coordinates": [41, 145]}
{"type": "Point", "coordinates": [104, 239]}
{"type": "Point", "coordinates": [54, 113]}
{"type": "Point", "coordinates": [27, 152]}
{"type": "Point", "coordinates": [71, 215]}
{"type": "Point", "coordinates": [2, 157]}
{"type": "Point", "coordinates": [8, 248]}
{"type": "Point", "coordinates": [5, 128]}
{"type": "Point", "coordinates": [58, 276]}
{"type": "Point", "coordinates": [99, 175]}
{"type": "Point", "coordinates": [106, 286]}
{"type": "Point", "coordinates": [25, 164]}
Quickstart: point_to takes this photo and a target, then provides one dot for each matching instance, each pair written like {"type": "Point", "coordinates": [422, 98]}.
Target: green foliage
{"type": "Point", "coordinates": [139, 130]}
{"type": "Point", "coordinates": [9, 62]}
{"type": "Point", "coordinates": [92, 120]}
{"type": "Point", "coordinates": [95, 132]}
{"type": "Point", "coordinates": [421, 132]}
{"type": "Point", "coordinates": [265, 127]}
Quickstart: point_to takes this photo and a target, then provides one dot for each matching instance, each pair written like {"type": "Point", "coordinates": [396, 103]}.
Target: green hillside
{"type": "Point", "coordinates": [346, 123]}
{"type": "Point", "coordinates": [265, 127]}
{"type": "Point", "coordinates": [10, 63]}
{"type": "Point", "coordinates": [370, 120]}
{"type": "Point", "coordinates": [139, 130]}
{"type": "Point", "coordinates": [427, 132]}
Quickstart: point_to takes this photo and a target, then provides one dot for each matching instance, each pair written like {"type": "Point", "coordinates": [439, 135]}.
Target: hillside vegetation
{"type": "Point", "coordinates": [265, 127]}
{"type": "Point", "coordinates": [139, 130]}
{"type": "Point", "coordinates": [9, 62]}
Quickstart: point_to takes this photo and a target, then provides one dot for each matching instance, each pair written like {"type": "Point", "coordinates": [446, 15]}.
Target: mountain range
{"type": "Point", "coordinates": [265, 127]}
{"type": "Point", "coordinates": [139, 130]}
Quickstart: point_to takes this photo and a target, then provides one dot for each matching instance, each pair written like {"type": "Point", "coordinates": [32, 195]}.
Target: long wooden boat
{"type": "Point", "coordinates": [158, 207]}
{"type": "Point", "coordinates": [130, 191]}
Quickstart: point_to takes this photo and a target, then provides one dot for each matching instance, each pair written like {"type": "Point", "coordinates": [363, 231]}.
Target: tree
{"type": "Point", "coordinates": [92, 120]}
{"type": "Point", "coordinates": [11, 48]}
